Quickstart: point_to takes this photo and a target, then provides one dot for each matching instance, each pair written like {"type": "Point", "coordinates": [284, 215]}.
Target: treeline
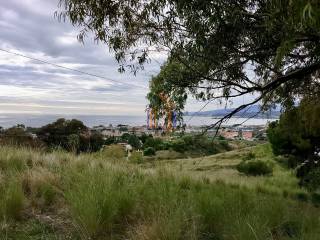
{"type": "Point", "coordinates": [74, 136]}
{"type": "Point", "coordinates": [296, 139]}
{"type": "Point", "coordinates": [71, 135]}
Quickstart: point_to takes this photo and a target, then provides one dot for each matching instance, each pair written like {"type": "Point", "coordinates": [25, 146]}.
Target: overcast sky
{"type": "Point", "coordinates": [28, 27]}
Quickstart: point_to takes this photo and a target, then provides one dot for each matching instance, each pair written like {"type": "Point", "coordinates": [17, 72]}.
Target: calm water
{"type": "Point", "coordinates": [8, 120]}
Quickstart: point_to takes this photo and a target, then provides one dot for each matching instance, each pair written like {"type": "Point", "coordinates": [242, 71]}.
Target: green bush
{"type": "Point", "coordinates": [288, 160]}
{"type": "Point", "coordinates": [149, 151]}
{"type": "Point", "coordinates": [249, 156]}
{"type": "Point", "coordinates": [255, 168]}
{"type": "Point", "coordinates": [136, 157]}
{"type": "Point", "coordinates": [179, 146]}
{"type": "Point", "coordinates": [315, 197]}
{"type": "Point", "coordinates": [156, 143]}
{"type": "Point", "coordinates": [312, 180]}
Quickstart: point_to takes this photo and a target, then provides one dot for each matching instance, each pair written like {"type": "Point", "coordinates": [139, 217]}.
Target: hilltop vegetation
{"type": "Point", "coordinates": [73, 136]}
{"type": "Point", "coordinates": [60, 195]}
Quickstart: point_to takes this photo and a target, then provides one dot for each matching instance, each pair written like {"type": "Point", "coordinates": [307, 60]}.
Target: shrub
{"type": "Point", "coordinates": [179, 146]}
{"type": "Point", "coordinates": [134, 141]}
{"type": "Point", "coordinates": [255, 168]}
{"type": "Point", "coordinates": [288, 161]}
{"type": "Point", "coordinates": [156, 143]}
{"type": "Point", "coordinates": [291, 229]}
{"type": "Point", "coordinates": [149, 151]}
{"type": "Point", "coordinates": [249, 156]}
{"type": "Point", "coordinates": [302, 196]}
{"type": "Point", "coordinates": [315, 197]}
{"type": "Point", "coordinates": [312, 180]}
{"type": "Point", "coordinates": [114, 152]}
{"type": "Point", "coordinates": [136, 157]}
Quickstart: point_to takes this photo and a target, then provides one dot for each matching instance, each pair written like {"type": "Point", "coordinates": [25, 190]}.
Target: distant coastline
{"type": "Point", "coordinates": [253, 111]}
{"type": "Point", "coordinates": [38, 120]}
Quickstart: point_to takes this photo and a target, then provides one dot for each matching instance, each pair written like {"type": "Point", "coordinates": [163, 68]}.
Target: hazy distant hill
{"type": "Point", "coordinates": [251, 111]}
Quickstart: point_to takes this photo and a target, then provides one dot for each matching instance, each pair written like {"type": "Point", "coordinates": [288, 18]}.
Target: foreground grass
{"type": "Point", "coordinates": [61, 196]}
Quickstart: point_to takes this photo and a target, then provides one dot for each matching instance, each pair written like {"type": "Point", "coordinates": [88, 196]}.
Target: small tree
{"type": "Point", "coordinates": [297, 133]}
{"type": "Point", "coordinates": [134, 141]}
{"type": "Point", "coordinates": [149, 151]}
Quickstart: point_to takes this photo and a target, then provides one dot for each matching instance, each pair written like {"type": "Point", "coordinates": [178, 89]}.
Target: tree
{"type": "Point", "coordinates": [73, 142]}
{"type": "Point", "coordinates": [297, 133]}
{"type": "Point", "coordinates": [218, 49]}
{"type": "Point", "coordinates": [96, 142]}
{"type": "Point", "coordinates": [62, 132]}
{"type": "Point", "coordinates": [18, 136]}
{"type": "Point", "coordinates": [134, 141]}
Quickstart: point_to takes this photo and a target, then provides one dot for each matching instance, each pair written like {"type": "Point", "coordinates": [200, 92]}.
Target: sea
{"type": "Point", "coordinates": [38, 120]}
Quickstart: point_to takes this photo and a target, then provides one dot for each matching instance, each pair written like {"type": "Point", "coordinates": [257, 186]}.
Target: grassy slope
{"type": "Point", "coordinates": [222, 167]}
{"type": "Point", "coordinates": [60, 196]}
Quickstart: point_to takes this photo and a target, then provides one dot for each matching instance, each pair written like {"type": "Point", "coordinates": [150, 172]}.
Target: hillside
{"type": "Point", "coordinates": [102, 196]}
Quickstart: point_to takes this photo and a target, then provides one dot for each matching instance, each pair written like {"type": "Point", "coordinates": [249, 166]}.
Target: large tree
{"type": "Point", "coordinates": [223, 49]}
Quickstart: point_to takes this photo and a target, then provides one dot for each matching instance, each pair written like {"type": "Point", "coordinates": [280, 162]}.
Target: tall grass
{"type": "Point", "coordinates": [11, 201]}
{"type": "Point", "coordinates": [109, 202]}
{"type": "Point", "coordinates": [100, 200]}
{"type": "Point", "coordinates": [120, 200]}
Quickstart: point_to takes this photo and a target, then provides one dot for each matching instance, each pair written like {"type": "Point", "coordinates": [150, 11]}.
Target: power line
{"type": "Point", "coordinates": [70, 69]}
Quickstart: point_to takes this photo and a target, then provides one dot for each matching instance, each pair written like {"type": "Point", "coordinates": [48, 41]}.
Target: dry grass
{"type": "Point", "coordinates": [189, 199]}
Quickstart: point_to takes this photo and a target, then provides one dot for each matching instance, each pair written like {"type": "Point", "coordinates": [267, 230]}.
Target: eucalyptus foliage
{"type": "Point", "coordinates": [216, 49]}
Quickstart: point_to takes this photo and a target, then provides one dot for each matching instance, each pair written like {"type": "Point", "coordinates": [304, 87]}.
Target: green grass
{"type": "Point", "coordinates": [223, 167]}
{"type": "Point", "coordinates": [93, 196]}
{"type": "Point", "coordinates": [12, 200]}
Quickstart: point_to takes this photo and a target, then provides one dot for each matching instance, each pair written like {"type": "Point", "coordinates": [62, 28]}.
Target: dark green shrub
{"type": "Point", "coordinates": [225, 145]}
{"type": "Point", "coordinates": [315, 197]}
{"type": "Point", "coordinates": [290, 229]}
{"type": "Point", "coordinates": [302, 196]}
{"type": "Point", "coordinates": [134, 141]}
{"type": "Point", "coordinates": [149, 151]}
{"type": "Point", "coordinates": [179, 146]}
{"type": "Point", "coordinates": [255, 168]}
{"type": "Point", "coordinates": [312, 180]}
{"type": "Point", "coordinates": [155, 143]}
{"type": "Point", "coordinates": [249, 156]}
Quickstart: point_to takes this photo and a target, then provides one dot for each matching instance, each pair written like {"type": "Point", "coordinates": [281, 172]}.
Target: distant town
{"type": "Point", "coordinates": [229, 132]}
{"type": "Point", "coordinates": [245, 132]}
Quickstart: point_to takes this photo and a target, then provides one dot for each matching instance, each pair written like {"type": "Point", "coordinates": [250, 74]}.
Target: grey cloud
{"type": "Point", "coordinates": [30, 28]}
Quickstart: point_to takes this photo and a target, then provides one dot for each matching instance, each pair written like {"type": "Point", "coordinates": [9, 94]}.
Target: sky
{"type": "Point", "coordinates": [28, 27]}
